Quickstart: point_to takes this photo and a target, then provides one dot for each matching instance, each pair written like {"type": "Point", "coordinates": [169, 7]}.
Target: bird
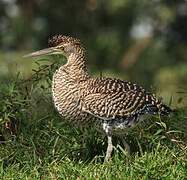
{"type": "Point", "coordinates": [108, 103]}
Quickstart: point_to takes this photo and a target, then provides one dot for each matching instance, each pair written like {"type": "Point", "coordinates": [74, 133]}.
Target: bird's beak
{"type": "Point", "coordinates": [43, 52]}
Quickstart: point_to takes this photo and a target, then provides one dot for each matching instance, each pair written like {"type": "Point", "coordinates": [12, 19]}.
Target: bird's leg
{"type": "Point", "coordinates": [109, 148]}
{"type": "Point", "coordinates": [127, 147]}
{"type": "Point", "coordinates": [108, 129]}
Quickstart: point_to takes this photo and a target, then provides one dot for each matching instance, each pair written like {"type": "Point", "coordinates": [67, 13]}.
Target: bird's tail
{"type": "Point", "coordinates": [161, 109]}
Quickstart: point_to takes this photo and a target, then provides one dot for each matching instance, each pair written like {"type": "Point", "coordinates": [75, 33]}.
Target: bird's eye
{"type": "Point", "coordinates": [61, 47]}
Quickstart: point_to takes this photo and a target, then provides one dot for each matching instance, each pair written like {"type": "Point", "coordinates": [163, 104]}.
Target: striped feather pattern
{"type": "Point", "coordinates": [110, 98]}
{"type": "Point", "coordinates": [84, 99]}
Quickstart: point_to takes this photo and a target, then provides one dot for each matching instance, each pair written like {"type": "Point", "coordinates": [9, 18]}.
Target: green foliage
{"type": "Point", "coordinates": [18, 98]}
{"type": "Point", "coordinates": [105, 27]}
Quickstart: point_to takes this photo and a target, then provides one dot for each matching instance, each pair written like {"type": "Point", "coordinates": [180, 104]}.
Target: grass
{"type": "Point", "coordinates": [155, 165]}
{"type": "Point", "coordinates": [44, 153]}
{"type": "Point", "coordinates": [37, 144]}
{"type": "Point", "coordinates": [48, 148]}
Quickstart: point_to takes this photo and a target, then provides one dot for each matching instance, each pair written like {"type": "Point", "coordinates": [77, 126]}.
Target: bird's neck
{"type": "Point", "coordinates": [76, 66]}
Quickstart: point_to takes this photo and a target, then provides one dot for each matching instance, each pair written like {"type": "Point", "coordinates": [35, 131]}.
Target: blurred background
{"type": "Point", "coordinates": [141, 41]}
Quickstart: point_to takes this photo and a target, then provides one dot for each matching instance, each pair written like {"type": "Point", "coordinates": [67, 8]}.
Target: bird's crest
{"type": "Point", "coordinates": [59, 39]}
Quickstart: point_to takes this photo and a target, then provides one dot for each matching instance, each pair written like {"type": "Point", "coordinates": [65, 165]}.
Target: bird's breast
{"type": "Point", "coordinates": [66, 96]}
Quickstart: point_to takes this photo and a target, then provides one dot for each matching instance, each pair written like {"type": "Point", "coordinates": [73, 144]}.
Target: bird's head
{"type": "Point", "coordinates": [63, 45]}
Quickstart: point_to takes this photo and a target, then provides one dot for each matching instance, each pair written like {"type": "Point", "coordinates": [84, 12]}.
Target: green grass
{"type": "Point", "coordinates": [48, 148]}
{"type": "Point", "coordinates": [159, 165]}
{"type": "Point", "coordinates": [39, 144]}
{"type": "Point", "coordinates": [53, 152]}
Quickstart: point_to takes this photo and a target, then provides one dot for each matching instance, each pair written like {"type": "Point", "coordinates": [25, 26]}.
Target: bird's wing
{"type": "Point", "coordinates": [110, 106]}
{"type": "Point", "coordinates": [113, 98]}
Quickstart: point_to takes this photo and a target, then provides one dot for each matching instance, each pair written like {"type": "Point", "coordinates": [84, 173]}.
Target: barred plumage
{"type": "Point", "coordinates": [112, 103]}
